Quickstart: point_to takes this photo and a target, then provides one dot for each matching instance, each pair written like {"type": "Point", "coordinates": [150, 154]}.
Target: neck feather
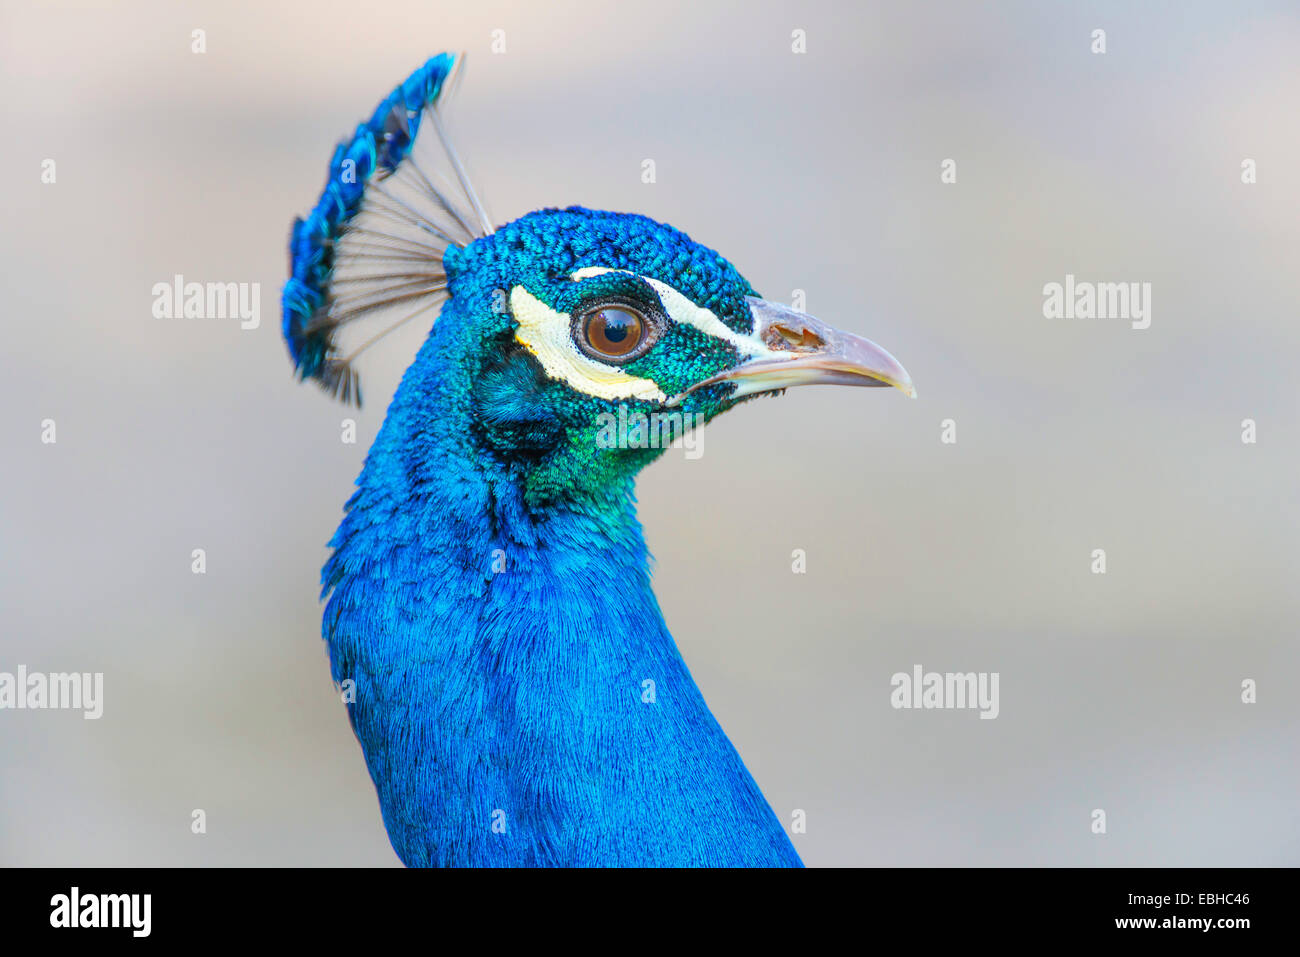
{"type": "Point", "coordinates": [516, 692]}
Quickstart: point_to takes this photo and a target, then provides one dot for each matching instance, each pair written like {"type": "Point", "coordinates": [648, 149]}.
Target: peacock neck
{"type": "Point", "coordinates": [517, 694]}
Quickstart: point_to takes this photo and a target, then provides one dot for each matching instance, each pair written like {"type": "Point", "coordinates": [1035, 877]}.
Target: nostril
{"type": "Point", "coordinates": [788, 339]}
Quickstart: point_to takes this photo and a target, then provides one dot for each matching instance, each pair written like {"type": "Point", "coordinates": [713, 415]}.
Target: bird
{"type": "Point", "coordinates": [489, 614]}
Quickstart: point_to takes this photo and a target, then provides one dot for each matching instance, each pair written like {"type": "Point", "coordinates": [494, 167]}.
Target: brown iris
{"type": "Point", "coordinates": [613, 332]}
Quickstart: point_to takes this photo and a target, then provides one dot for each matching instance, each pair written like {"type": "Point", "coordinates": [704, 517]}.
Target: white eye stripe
{"type": "Point", "coordinates": [683, 311]}
{"type": "Point", "coordinates": [545, 333]}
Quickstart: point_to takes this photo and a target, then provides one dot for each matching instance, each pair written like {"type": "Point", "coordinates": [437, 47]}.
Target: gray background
{"type": "Point", "coordinates": [818, 172]}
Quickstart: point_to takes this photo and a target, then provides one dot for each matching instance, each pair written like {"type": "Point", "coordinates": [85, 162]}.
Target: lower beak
{"type": "Point", "coordinates": [801, 350]}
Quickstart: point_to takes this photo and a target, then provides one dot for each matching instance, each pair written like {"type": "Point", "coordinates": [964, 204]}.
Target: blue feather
{"type": "Point", "coordinates": [515, 690]}
{"type": "Point", "coordinates": [502, 714]}
{"type": "Point", "coordinates": [378, 146]}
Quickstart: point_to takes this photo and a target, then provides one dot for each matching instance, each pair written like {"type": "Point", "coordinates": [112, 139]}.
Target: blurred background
{"type": "Point", "coordinates": [818, 172]}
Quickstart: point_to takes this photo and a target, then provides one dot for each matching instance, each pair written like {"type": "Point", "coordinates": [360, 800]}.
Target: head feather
{"type": "Point", "coordinates": [372, 247]}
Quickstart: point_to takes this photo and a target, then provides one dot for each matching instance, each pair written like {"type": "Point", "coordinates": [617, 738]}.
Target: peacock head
{"type": "Point", "coordinates": [607, 335]}
{"type": "Point", "coordinates": [586, 341]}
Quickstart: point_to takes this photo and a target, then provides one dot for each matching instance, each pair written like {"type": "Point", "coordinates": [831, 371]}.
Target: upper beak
{"type": "Point", "coordinates": [801, 350]}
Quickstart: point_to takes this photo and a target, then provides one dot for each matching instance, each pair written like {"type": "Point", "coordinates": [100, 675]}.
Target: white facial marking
{"type": "Point", "coordinates": [682, 310]}
{"type": "Point", "coordinates": [545, 333]}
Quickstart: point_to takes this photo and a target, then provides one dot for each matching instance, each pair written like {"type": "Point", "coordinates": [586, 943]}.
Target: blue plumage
{"type": "Point", "coordinates": [378, 146]}
{"type": "Point", "coordinates": [509, 675]}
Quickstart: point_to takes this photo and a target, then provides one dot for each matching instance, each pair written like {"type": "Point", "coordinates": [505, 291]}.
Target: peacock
{"type": "Point", "coordinates": [488, 606]}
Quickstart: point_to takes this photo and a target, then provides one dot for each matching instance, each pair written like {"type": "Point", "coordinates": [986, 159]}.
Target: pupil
{"type": "Point", "coordinates": [617, 326]}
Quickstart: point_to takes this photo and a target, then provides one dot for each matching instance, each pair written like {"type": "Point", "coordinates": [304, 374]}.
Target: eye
{"type": "Point", "coordinates": [612, 332]}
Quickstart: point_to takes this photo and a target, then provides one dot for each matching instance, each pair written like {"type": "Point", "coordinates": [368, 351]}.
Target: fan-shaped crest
{"type": "Point", "coordinates": [396, 197]}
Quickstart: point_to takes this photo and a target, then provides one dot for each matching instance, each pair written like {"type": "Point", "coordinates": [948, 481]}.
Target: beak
{"type": "Point", "coordinates": [797, 349]}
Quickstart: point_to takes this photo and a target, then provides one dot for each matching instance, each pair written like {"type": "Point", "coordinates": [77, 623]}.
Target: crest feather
{"type": "Point", "coordinates": [372, 247]}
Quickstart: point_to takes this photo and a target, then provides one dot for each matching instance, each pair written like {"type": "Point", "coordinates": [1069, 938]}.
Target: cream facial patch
{"type": "Point", "coordinates": [545, 333]}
